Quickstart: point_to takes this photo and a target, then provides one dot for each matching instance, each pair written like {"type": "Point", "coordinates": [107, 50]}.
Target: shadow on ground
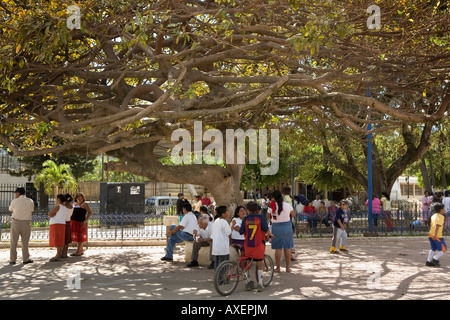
{"type": "Point", "coordinates": [375, 269]}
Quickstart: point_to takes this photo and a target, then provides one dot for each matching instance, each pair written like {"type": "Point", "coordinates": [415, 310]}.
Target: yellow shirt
{"type": "Point", "coordinates": [436, 219]}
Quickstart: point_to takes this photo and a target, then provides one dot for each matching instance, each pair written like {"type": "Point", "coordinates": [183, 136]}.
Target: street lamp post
{"type": "Point", "coordinates": [407, 185]}
{"type": "Point", "coordinates": [293, 168]}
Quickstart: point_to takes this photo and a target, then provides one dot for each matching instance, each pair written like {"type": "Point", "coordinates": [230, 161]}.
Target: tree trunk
{"type": "Point", "coordinates": [382, 178]}
{"type": "Point", "coordinates": [425, 177]}
{"type": "Point", "coordinates": [442, 165]}
{"type": "Point", "coordinates": [223, 183]}
{"type": "Point", "coordinates": [433, 180]}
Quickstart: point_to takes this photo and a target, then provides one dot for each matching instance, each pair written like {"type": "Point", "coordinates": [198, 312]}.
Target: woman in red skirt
{"type": "Point", "coordinates": [58, 226]}
{"type": "Point", "coordinates": [68, 233]}
{"type": "Point", "coordinates": [79, 221]}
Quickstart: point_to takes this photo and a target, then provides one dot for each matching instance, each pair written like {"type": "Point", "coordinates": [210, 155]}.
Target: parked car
{"type": "Point", "coordinates": [161, 205]}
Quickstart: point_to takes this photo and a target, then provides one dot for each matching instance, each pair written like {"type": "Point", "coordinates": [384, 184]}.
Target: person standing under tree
{"type": "Point", "coordinates": [220, 236]}
{"type": "Point", "coordinates": [57, 224]}
{"type": "Point", "coordinates": [426, 201]}
{"type": "Point", "coordinates": [282, 230]}
{"type": "Point", "coordinates": [22, 208]}
{"type": "Point", "coordinates": [437, 242]}
{"type": "Point", "coordinates": [446, 203]}
{"type": "Point", "coordinates": [339, 229]}
{"type": "Point", "coordinates": [79, 223]}
{"type": "Point", "coordinates": [386, 204]}
{"type": "Point", "coordinates": [254, 228]}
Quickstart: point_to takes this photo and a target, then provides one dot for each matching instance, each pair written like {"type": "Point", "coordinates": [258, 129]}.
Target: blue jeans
{"type": "Point", "coordinates": [178, 237]}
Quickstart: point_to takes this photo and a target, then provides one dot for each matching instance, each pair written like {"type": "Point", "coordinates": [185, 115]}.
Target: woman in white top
{"type": "Point", "coordinates": [282, 230]}
{"type": "Point", "coordinates": [197, 203]}
{"type": "Point", "coordinates": [237, 239]}
{"type": "Point", "coordinates": [58, 226]}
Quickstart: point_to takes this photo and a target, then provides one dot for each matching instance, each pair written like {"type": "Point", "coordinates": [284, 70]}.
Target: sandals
{"type": "Point", "coordinates": [77, 254]}
{"type": "Point", "coordinates": [54, 259]}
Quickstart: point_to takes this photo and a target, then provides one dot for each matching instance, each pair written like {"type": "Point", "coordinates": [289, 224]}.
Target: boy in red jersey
{"type": "Point", "coordinates": [254, 227]}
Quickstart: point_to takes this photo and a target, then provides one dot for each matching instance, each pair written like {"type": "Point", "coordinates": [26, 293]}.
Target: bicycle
{"type": "Point", "coordinates": [227, 274]}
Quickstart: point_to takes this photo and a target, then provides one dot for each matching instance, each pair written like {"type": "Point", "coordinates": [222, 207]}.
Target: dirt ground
{"type": "Point", "coordinates": [374, 269]}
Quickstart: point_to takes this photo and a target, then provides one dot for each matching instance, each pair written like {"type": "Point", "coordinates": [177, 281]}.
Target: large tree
{"type": "Point", "coordinates": [137, 70]}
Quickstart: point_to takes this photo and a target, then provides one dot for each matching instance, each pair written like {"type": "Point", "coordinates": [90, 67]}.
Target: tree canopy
{"type": "Point", "coordinates": [137, 70]}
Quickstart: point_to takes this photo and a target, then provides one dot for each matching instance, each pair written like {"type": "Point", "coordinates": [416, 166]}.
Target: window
{"type": "Point", "coordinates": [419, 191]}
{"type": "Point", "coordinates": [405, 188]}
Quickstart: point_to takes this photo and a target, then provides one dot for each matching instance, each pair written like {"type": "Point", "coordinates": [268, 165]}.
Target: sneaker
{"type": "Point", "coordinates": [333, 250]}
{"type": "Point", "coordinates": [343, 249]}
{"type": "Point", "coordinates": [249, 286]}
{"type": "Point", "coordinates": [429, 264]}
{"type": "Point", "coordinates": [436, 263]}
{"type": "Point", "coordinates": [260, 287]}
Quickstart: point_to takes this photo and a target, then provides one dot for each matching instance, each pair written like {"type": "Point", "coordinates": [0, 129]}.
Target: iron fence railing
{"type": "Point", "coordinates": [147, 225]}
{"type": "Point", "coordinates": [403, 219]}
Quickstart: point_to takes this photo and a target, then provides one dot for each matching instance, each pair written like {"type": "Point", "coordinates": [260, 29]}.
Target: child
{"type": "Point", "coordinates": [310, 212]}
{"type": "Point", "coordinates": [237, 240]}
{"type": "Point", "coordinates": [254, 227]}
{"type": "Point", "coordinates": [437, 242]}
{"type": "Point", "coordinates": [272, 207]}
{"type": "Point", "coordinates": [339, 229]}
{"type": "Point", "coordinates": [204, 212]}
{"type": "Point", "coordinates": [323, 214]}
{"type": "Point", "coordinates": [220, 236]}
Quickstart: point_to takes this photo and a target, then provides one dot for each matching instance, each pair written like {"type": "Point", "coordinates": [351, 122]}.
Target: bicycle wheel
{"type": "Point", "coordinates": [268, 270]}
{"type": "Point", "coordinates": [226, 277]}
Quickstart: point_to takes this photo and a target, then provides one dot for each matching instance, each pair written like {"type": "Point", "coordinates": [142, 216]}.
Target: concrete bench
{"type": "Point", "coordinates": [203, 254]}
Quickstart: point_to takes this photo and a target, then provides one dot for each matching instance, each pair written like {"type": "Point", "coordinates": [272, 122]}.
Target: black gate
{"type": "Point", "coordinates": [122, 203]}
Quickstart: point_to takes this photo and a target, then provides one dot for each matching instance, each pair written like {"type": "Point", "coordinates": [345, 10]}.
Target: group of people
{"type": "Point", "coordinates": [248, 230]}
{"type": "Point", "coordinates": [378, 204]}
{"type": "Point", "coordinates": [68, 223]}
{"type": "Point", "coordinates": [429, 200]}
{"type": "Point", "coordinates": [196, 204]}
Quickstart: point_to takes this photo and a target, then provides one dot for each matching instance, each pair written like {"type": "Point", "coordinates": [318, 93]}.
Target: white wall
{"type": "Point", "coordinates": [6, 178]}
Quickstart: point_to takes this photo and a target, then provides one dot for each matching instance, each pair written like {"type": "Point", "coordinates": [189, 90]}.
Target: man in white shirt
{"type": "Point", "coordinates": [202, 236]}
{"type": "Point", "coordinates": [183, 232]}
{"type": "Point", "coordinates": [22, 209]}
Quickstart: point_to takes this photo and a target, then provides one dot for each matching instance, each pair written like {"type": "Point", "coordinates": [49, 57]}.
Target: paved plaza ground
{"type": "Point", "coordinates": [391, 268]}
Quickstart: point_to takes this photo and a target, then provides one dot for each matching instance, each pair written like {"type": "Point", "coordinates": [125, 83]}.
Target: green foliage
{"type": "Point", "coordinates": [53, 175]}
{"type": "Point", "coordinates": [78, 164]}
